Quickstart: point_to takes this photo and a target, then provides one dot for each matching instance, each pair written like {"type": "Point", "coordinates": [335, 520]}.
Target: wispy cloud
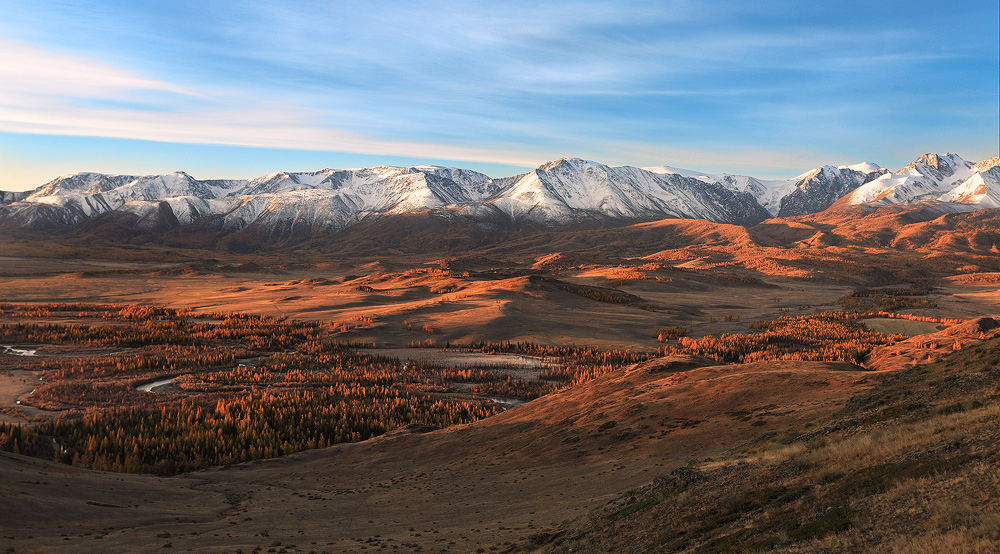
{"type": "Point", "coordinates": [26, 70]}
{"type": "Point", "coordinates": [58, 94]}
{"type": "Point", "coordinates": [701, 83]}
{"type": "Point", "coordinates": [52, 93]}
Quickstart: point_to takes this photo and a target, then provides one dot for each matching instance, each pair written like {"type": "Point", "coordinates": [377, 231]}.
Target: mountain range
{"type": "Point", "coordinates": [569, 190]}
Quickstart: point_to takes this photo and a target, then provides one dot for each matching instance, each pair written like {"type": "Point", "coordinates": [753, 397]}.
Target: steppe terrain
{"type": "Point", "coordinates": [680, 452]}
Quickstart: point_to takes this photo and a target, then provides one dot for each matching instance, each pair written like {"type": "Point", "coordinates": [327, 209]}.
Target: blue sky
{"type": "Point", "coordinates": [240, 89]}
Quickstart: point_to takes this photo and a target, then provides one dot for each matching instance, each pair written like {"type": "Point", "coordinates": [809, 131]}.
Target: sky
{"type": "Point", "coordinates": [243, 88]}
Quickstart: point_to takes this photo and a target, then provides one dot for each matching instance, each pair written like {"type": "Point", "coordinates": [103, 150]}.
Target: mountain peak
{"type": "Point", "coordinates": [941, 163]}
{"type": "Point", "coordinates": [863, 167]}
{"type": "Point", "coordinates": [567, 161]}
{"type": "Point", "coordinates": [987, 164]}
{"type": "Point", "coordinates": [931, 178]}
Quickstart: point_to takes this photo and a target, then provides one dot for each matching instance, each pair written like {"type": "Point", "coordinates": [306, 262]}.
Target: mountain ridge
{"type": "Point", "coordinates": [568, 190]}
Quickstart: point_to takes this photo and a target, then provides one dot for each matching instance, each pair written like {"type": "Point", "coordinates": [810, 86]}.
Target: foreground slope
{"type": "Point", "coordinates": [459, 489]}
{"type": "Point", "coordinates": [908, 466]}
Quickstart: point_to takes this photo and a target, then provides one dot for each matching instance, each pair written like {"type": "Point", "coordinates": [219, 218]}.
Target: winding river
{"type": "Point", "coordinates": [150, 386]}
{"type": "Point", "coordinates": [5, 349]}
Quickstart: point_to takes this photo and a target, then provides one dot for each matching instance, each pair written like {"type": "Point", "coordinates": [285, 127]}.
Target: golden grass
{"type": "Point", "coordinates": [880, 444]}
{"type": "Point", "coordinates": [957, 541]}
{"type": "Point", "coordinates": [770, 455]}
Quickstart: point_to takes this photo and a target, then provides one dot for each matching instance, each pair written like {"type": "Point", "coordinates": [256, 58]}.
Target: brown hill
{"type": "Point", "coordinates": [925, 347]}
{"type": "Point", "coordinates": [898, 227]}
{"type": "Point", "coordinates": [907, 466]}
{"type": "Point", "coordinates": [855, 242]}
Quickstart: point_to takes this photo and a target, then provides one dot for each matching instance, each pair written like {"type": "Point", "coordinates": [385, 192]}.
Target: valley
{"type": "Point", "coordinates": [416, 383]}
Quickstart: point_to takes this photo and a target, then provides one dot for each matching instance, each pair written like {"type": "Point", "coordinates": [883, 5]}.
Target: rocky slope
{"type": "Point", "coordinates": [808, 193]}
{"type": "Point", "coordinates": [571, 189]}
{"type": "Point", "coordinates": [948, 180]}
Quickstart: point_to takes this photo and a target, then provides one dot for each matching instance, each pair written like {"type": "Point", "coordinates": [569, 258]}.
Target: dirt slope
{"type": "Point", "coordinates": [908, 466]}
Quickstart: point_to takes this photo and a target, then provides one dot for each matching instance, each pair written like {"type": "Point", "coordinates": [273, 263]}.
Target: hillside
{"type": "Point", "coordinates": [904, 467]}
{"type": "Point", "coordinates": [480, 485]}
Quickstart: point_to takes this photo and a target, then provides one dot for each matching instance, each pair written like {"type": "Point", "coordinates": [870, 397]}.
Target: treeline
{"type": "Point", "coordinates": [625, 276]}
{"type": "Point", "coordinates": [607, 295]}
{"type": "Point", "coordinates": [525, 348]}
{"type": "Point", "coordinates": [567, 364]}
{"type": "Point", "coordinates": [301, 390]}
{"type": "Point", "coordinates": [670, 333]}
{"type": "Point", "coordinates": [833, 336]}
{"type": "Point", "coordinates": [515, 388]}
{"type": "Point", "coordinates": [94, 311]}
{"type": "Point", "coordinates": [253, 332]}
{"type": "Point", "coordinates": [161, 358]}
{"type": "Point", "coordinates": [907, 317]}
{"type": "Point", "coordinates": [979, 278]}
{"type": "Point", "coordinates": [189, 435]}
{"type": "Point", "coordinates": [887, 299]}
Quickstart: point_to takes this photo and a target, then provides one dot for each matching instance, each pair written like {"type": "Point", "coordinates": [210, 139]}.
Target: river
{"type": "Point", "coordinates": [148, 387]}
{"type": "Point", "coordinates": [5, 349]}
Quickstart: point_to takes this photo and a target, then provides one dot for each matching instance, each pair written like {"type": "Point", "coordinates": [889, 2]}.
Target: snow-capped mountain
{"type": "Point", "coordinates": [936, 179]}
{"type": "Point", "coordinates": [72, 199]}
{"type": "Point", "coordinates": [326, 199]}
{"type": "Point", "coordinates": [818, 189]}
{"type": "Point", "coordinates": [334, 199]}
{"type": "Point", "coordinates": [808, 193]}
{"type": "Point", "coordinates": [559, 192]}
{"type": "Point", "coordinates": [571, 189]}
{"type": "Point", "coordinates": [981, 190]}
{"type": "Point", "coordinates": [767, 193]}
